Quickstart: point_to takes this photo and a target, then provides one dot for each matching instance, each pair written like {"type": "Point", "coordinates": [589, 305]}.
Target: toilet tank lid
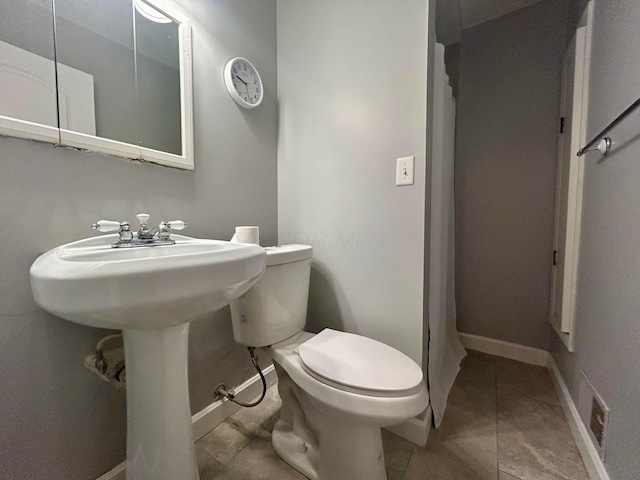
{"type": "Point", "coordinates": [281, 254]}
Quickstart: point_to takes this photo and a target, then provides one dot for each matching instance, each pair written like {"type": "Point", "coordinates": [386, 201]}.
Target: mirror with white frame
{"type": "Point", "coordinates": [121, 77]}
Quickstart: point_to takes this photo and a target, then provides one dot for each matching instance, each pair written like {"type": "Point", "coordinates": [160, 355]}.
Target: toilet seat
{"type": "Point", "coordinates": [345, 404]}
{"type": "Point", "coordinates": [359, 364]}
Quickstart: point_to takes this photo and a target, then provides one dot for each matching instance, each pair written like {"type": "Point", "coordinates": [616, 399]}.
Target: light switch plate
{"type": "Point", "coordinates": [404, 170]}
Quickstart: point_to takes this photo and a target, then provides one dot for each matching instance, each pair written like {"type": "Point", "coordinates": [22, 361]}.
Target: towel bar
{"type": "Point", "coordinates": [607, 146]}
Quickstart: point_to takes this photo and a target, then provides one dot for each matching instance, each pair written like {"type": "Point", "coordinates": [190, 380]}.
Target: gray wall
{"type": "Point", "coordinates": [508, 103]}
{"type": "Point", "coordinates": [352, 88]}
{"type": "Point", "coordinates": [57, 420]}
{"type": "Point", "coordinates": [607, 329]}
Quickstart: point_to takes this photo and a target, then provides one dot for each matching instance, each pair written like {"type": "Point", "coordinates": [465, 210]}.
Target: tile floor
{"type": "Point", "coordinates": [503, 422]}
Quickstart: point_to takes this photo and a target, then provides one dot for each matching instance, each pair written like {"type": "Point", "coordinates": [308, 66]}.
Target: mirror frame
{"type": "Point", "coordinates": [14, 127]}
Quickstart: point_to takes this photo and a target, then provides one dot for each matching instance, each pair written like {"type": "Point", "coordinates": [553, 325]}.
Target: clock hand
{"type": "Point", "coordinates": [238, 74]}
{"type": "Point", "coordinates": [238, 77]}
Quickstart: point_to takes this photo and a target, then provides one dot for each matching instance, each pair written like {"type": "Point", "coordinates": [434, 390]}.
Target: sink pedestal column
{"type": "Point", "coordinates": [160, 442]}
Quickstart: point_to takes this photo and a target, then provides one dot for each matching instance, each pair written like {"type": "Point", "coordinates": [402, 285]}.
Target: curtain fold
{"type": "Point", "coordinates": [445, 350]}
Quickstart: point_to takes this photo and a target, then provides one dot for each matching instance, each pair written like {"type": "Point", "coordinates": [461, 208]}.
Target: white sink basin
{"type": "Point", "coordinates": [151, 293]}
{"type": "Point", "coordinates": [89, 282]}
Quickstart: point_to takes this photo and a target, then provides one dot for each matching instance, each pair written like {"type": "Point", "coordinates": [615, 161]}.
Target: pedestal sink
{"type": "Point", "coordinates": [151, 294]}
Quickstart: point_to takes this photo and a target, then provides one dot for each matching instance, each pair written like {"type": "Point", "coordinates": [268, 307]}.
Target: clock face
{"type": "Point", "coordinates": [243, 82]}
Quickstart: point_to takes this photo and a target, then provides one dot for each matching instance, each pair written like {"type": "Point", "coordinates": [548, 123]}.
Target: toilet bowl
{"type": "Point", "coordinates": [338, 389]}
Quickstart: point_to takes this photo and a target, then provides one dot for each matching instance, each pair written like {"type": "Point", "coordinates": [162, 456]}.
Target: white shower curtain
{"type": "Point", "coordinates": [445, 349]}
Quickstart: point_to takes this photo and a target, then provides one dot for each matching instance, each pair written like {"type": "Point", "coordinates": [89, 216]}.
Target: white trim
{"type": "Point", "coordinates": [590, 456]}
{"type": "Point", "coordinates": [116, 148]}
{"type": "Point", "coordinates": [416, 429]}
{"type": "Point", "coordinates": [514, 351]}
{"type": "Point", "coordinates": [581, 41]}
{"type": "Point", "coordinates": [92, 143]}
{"type": "Point", "coordinates": [13, 127]}
{"type": "Point", "coordinates": [114, 472]}
{"type": "Point", "coordinates": [213, 415]}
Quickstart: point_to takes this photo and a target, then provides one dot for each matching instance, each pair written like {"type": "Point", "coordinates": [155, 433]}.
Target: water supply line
{"type": "Point", "coordinates": [100, 362]}
{"type": "Point", "coordinates": [222, 392]}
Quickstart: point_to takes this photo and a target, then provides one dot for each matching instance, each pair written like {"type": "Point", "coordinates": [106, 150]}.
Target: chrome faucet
{"type": "Point", "coordinates": [145, 233]}
{"type": "Point", "coordinates": [145, 237]}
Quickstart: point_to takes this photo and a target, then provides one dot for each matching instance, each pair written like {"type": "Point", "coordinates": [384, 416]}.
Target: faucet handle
{"type": "Point", "coordinates": [107, 226]}
{"type": "Point", "coordinates": [143, 218]}
{"type": "Point", "coordinates": [176, 225]}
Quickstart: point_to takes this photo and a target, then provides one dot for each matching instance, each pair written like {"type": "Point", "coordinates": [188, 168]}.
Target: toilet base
{"type": "Point", "coordinates": [292, 439]}
{"type": "Point", "coordinates": [321, 446]}
{"type": "Point", "coordinates": [294, 450]}
{"type": "Point", "coordinates": [351, 453]}
{"type": "Point", "coordinates": [362, 459]}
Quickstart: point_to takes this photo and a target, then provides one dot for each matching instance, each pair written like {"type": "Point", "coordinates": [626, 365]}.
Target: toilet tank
{"type": "Point", "coordinates": [275, 308]}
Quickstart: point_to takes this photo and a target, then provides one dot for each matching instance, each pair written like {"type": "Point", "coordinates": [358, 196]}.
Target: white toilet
{"type": "Point", "coordinates": [337, 389]}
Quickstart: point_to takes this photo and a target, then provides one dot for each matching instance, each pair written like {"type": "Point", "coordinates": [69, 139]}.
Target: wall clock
{"type": "Point", "coordinates": [243, 82]}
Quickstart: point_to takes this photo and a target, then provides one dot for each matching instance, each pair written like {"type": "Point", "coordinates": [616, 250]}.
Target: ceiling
{"type": "Point", "coordinates": [453, 16]}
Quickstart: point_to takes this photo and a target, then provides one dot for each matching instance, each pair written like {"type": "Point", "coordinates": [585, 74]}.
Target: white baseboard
{"type": "Point", "coordinates": [416, 429]}
{"type": "Point", "coordinates": [113, 473]}
{"type": "Point", "coordinates": [513, 351]}
{"type": "Point", "coordinates": [590, 457]}
{"type": "Point", "coordinates": [213, 415]}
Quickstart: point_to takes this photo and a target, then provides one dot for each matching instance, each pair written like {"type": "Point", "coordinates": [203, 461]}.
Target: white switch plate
{"type": "Point", "coordinates": [404, 170]}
